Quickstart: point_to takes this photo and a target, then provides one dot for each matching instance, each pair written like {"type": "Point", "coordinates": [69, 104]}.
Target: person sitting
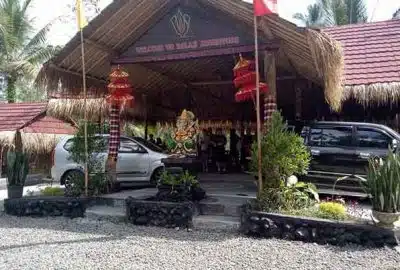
{"type": "Point", "coordinates": [152, 139]}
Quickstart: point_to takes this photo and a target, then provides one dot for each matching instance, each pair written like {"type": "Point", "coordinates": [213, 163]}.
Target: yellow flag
{"type": "Point", "coordinates": [80, 15]}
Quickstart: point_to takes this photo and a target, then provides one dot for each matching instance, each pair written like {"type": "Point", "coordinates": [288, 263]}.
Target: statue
{"type": "Point", "coordinates": [182, 140]}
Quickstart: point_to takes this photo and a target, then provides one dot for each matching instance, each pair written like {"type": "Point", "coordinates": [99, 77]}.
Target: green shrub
{"type": "Point", "coordinates": [97, 146]}
{"type": "Point", "coordinates": [52, 191]}
{"type": "Point", "coordinates": [283, 154]}
{"type": "Point", "coordinates": [332, 210]}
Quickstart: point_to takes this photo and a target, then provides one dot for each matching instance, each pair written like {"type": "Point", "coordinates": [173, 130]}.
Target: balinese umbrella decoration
{"type": "Point", "coordinates": [120, 95]}
{"type": "Point", "coordinates": [245, 80]}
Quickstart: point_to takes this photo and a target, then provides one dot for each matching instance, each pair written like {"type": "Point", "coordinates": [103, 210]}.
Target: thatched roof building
{"type": "Point", "coordinates": [372, 61]}
{"type": "Point", "coordinates": [39, 132]}
{"type": "Point", "coordinates": [172, 70]}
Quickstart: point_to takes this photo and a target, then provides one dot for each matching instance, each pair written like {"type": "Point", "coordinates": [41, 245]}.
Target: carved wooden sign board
{"type": "Point", "coordinates": [189, 31]}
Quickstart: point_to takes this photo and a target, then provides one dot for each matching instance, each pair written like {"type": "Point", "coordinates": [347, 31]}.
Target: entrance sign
{"type": "Point", "coordinates": [187, 31]}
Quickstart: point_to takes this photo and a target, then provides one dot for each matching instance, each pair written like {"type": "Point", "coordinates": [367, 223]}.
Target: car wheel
{"type": "Point", "coordinates": [68, 177]}
{"type": "Point", "coordinates": [156, 176]}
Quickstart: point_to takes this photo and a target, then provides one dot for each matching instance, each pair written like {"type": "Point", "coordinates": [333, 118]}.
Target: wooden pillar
{"type": "Point", "coordinates": [270, 76]}
{"type": "Point", "coordinates": [298, 100]}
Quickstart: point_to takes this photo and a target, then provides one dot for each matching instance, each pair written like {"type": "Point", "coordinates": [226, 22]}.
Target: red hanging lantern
{"type": "Point", "coordinates": [245, 80]}
{"type": "Point", "coordinates": [120, 90]}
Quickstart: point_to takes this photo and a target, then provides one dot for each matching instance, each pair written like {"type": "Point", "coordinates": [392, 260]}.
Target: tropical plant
{"type": "Point", "coordinates": [21, 50]}
{"type": "Point", "coordinates": [314, 16]}
{"type": "Point", "coordinates": [17, 168]}
{"type": "Point", "coordinates": [283, 154]}
{"type": "Point", "coordinates": [383, 183]}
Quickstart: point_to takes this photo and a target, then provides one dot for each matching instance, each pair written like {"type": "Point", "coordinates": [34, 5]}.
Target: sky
{"type": "Point", "coordinates": [45, 11]}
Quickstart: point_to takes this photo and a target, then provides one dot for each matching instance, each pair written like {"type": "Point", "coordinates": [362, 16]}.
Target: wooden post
{"type": "Point", "coordinates": [146, 122]}
{"type": "Point", "coordinates": [298, 100]}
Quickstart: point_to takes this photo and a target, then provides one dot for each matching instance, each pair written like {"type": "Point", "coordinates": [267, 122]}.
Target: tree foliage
{"type": "Point", "coordinates": [334, 12]}
{"type": "Point", "coordinates": [396, 15]}
{"type": "Point", "coordinates": [22, 50]}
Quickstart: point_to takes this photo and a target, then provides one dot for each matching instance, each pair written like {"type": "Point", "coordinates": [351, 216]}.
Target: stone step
{"type": "Point", "coordinates": [216, 223]}
{"type": "Point", "coordinates": [200, 222]}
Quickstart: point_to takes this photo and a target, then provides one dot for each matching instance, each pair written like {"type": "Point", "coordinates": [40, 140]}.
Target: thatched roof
{"type": "Point", "coordinates": [40, 133]}
{"type": "Point", "coordinates": [312, 54]}
{"type": "Point", "coordinates": [372, 65]}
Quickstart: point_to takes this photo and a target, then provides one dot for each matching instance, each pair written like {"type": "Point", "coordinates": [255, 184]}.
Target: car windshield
{"type": "Point", "coordinates": [149, 145]}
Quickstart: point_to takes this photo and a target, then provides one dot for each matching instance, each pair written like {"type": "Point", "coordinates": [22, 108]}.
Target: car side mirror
{"type": "Point", "coordinates": [395, 144]}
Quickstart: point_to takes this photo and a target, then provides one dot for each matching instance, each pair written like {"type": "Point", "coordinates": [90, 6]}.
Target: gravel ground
{"type": "Point", "coordinates": [84, 244]}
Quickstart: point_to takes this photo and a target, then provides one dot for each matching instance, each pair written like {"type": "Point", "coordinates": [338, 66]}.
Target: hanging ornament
{"type": "Point", "coordinates": [119, 88]}
{"type": "Point", "coordinates": [245, 80]}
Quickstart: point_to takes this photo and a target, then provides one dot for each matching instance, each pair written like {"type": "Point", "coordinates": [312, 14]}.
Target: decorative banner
{"type": "Point", "coordinates": [114, 131]}
{"type": "Point", "coordinates": [269, 108]}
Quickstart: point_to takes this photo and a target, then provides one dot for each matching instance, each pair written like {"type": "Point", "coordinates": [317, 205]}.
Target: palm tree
{"type": "Point", "coordinates": [334, 12]}
{"type": "Point", "coordinates": [396, 15]}
{"type": "Point", "coordinates": [342, 12]}
{"type": "Point", "coordinates": [313, 17]}
{"type": "Point", "coordinates": [21, 50]}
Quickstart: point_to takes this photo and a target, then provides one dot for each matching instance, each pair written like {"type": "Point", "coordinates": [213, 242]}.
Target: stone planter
{"type": "Point", "coordinates": [321, 231]}
{"type": "Point", "coordinates": [41, 206]}
{"type": "Point", "coordinates": [15, 192]}
{"type": "Point", "coordinates": [386, 219]}
{"type": "Point", "coordinates": [159, 213]}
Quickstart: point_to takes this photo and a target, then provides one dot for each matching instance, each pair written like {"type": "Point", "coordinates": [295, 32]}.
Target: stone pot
{"type": "Point", "coordinates": [15, 192]}
{"type": "Point", "coordinates": [386, 219]}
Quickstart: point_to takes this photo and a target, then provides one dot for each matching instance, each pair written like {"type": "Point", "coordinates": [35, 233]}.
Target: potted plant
{"type": "Point", "coordinates": [383, 185]}
{"type": "Point", "coordinates": [176, 185]}
{"type": "Point", "coordinates": [17, 171]}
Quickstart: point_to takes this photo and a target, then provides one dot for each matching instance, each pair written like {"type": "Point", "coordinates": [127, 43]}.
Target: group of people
{"type": "Point", "coordinates": [157, 141]}
{"type": "Point", "coordinates": [212, 150]}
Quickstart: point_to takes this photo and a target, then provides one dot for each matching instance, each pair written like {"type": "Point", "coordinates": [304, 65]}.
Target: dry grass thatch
{"type": "Point", "coordinates": [329, 62]}
{"type": "Point", "coordinates": [34, 143]}
{"type": "Point", "coordinates": [378, 93]}
{"type": "Point", "coordinates": [97, 108]}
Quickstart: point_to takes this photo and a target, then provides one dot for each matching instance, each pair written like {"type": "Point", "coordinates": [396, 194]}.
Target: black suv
{"type": "Point", "coordinates": [343, 149]}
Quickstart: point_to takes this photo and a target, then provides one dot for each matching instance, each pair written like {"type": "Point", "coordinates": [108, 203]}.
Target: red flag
{"type": "Point", "coordinates": [265, 7]}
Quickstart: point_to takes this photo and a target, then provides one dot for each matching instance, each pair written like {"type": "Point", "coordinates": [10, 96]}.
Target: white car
{"type": "Point", "coordinates": [138, 160]}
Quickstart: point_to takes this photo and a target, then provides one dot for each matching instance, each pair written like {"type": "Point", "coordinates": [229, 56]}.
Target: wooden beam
{"type": "Point", "coordinates": [165, 74]}
{"type": "Point", "coordinates": [53, 66]}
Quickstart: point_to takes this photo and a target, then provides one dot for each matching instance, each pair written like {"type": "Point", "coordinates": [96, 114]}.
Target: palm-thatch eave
{"type": "Point", "coordinates": [373, 94]}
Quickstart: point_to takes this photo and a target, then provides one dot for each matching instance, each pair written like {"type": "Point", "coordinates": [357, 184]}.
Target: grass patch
{"type": "Point", "coordinates": [52, 191]}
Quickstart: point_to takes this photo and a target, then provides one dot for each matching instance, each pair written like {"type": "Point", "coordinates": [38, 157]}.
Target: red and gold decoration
{"type": "Point", "coordinates": [245, 80]}
{"type": "Point", "coordinates": [120, 94]}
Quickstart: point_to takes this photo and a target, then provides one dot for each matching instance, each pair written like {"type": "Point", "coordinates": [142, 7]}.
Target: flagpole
{"type": "Point", "coordinates": [85, 111]}
{"type": "Point", "coordinates": [259, 156]}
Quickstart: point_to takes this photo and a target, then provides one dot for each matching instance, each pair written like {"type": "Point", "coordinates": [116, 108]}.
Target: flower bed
{"type": "Point", "coordinates": [159, 213]}
{"type": "Point", "coordinates": [321, 231]}
{"type": "Point", "coordinates": [45, 206]}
